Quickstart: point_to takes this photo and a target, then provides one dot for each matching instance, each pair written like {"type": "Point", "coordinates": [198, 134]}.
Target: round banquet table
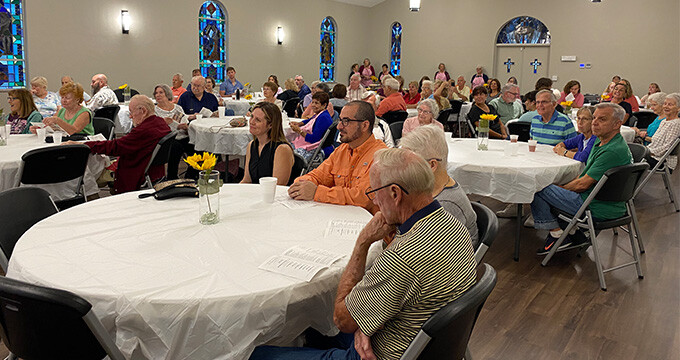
{"type": "Point", "coordinates": [217, 136]}
{"type": "Point", "coordinates": [10, 163]}
{"type": "Point", "coordinates": [512, 179]}
{"type": "Point", "coordinates": [169, 288]}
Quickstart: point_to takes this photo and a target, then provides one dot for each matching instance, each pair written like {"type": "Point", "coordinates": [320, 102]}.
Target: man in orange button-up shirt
{"type": "Point", "coordinates": [393, 100]}
{"type": "Point", "coordinates": [344, 177]}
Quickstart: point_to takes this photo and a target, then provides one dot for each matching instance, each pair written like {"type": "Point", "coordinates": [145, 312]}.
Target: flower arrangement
{"type": "Point", "coordinates": [123, 86]}
{"type": "Point", "coordinates": [488, 117]}
{"type": "Point", "coordinates": [605, 97]}
{"type": "Point", "coordinates": [209, 185]}
{"type": "Point", "coordinates": [483, 131]}
{"type": "Point", "coordinates": [567, 106]}
{"type": "Point", "coordinates": [246, 88]}
{"type": "Point", "coordinates": [373, 78]}
{"type": "Point", "coordinates": [248, 97]}
{"type": "Point", "coordinates": [486, 85]}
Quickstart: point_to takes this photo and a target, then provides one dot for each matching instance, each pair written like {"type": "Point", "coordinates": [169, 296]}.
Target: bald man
{"type": "Point", "coordinates": [101, 94]}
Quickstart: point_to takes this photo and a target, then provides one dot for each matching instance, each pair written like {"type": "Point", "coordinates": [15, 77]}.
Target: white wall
{"type": "Point", "coordinates": [638, 40]}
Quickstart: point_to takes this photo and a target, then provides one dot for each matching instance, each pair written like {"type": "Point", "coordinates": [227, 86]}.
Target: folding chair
{"type": "Point", "coordinates": [109, 111]}
{"type": "Point", "coordinates": [290, 105]}
{"type": "Point", "coordinates": [644, 118]}
{"type": "Point", "coordinates": [57, 164]}
{"type": "Point", "coordinates": [519, 128]}
{"type": "Point", "coordinates": [394, 116]}
{"type": "Point", "coordinates": [160, 156]}
{"type": "Point", "coordinates": [456, 106]}
{"type": "Point", "coordinates": [445, 334]}
{"type": "Point", "coordinates": [326, 141]}
{"type": "Point", "coordinates": [43, 323]}
{"type": "Point", "coordinates": [621, 184]}
{"type": "Point", "coordinates": [662, 168]}
{"type": "Point", "coordinates": [103, 126]}
{"type": "Point", "coordinates": [396, 130]}
{"type": "Point", "coordinates": [32, 204]}
{"type": "Point", "coordinates": [487, 227]}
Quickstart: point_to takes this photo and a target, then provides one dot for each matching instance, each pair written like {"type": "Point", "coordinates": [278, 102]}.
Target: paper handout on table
{"type": "Point", "coordinates": [96, 137]}
{"type": "Point", "coordinates": [285, 200]}
{"type": "Point", "coordinates": [300, 262]}
{"type": "Point", "coordinates": [346, 229]}
{"type": "Point", "coordinates": [206, 112]}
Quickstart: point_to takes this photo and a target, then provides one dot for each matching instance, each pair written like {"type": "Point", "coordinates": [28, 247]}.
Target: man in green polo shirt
{"type": "Point", "coordinates": [610, 150]}
{"type": "Point", "coordinates": [506, 105]}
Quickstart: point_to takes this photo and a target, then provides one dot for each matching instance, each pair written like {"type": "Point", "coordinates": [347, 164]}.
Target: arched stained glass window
{"type": "Point", "coordinates": [212, 47]}
{"type": "Point", "coordinates": [395, 49]}
{"type": "Point", "coordinates": [327, 38]}
{"type": "Point", "coordinates": [523, 30]}
{"type": "Point", "coordinates": [12, 55]}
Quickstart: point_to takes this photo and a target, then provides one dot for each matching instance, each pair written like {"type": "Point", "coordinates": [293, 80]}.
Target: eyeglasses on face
{"type": "Point", "coordinates": [424, 111]}
{"type": "Point", "coordinates": [346, 121]}
{"type": "Point", "coordinates": [370, 193]}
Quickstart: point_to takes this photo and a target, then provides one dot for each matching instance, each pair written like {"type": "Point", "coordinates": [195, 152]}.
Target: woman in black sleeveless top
{"type": "Point", "coordinates": [269, 154]}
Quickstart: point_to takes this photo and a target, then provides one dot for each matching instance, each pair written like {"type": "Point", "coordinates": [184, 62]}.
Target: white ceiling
{"type": "Point", "coordinates": [366, 3]}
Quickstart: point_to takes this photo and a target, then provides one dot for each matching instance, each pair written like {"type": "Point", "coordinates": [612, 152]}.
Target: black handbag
{"type": "Point", "coordinates": [172, 189]}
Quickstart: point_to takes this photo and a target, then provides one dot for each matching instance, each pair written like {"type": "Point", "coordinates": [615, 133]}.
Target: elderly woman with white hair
{"type": "Point", "coordinates": [429, 142]}
{"type": "Point", "coordinates": [428, 110]}
{"type": "Point", "coordinates": [47, 102]}
{"type": "Point", "coordinates": [655, 103]}
{"type": "Point", "coordinates": [668, 132]}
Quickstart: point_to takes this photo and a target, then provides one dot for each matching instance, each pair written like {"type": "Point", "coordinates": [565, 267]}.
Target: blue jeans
{"type": "Point", "coordinates": [343, 350]}
{"type": "Point", "coordinates": [557, 197]}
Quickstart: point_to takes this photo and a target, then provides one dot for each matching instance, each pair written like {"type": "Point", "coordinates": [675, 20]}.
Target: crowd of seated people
{"type": "Point", "coordinates": [400, 187]}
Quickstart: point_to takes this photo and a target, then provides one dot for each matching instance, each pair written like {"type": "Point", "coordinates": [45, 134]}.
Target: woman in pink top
{"type": "Point", "coordinates": [366, 70]}
{"type": "Point", "coordinates": [573, 91]}
{"type": "Point", "coordinates": [442, 74]}
{"type": "Point", "coordinates": [428, 110]}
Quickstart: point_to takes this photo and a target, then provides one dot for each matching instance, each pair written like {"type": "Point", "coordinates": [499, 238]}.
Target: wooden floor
{"type": "Point", "coordinates": [559, 311]}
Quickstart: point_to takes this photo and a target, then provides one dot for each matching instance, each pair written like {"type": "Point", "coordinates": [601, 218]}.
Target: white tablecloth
{"type": "Point", "coordinates": [240, 107]}
{"type": "Point", "coordinates": [123, 122]}
{"type": "Point", "coordinates": [464, 110]}
{"type": "Point", "coordinates": [512, 179]}
{"type": "Point", "coordinates": [164, 284]}
{"type": "Point", "coordinates": [217, 136]}
{"type": "Point", "coordinates": [10, 162]}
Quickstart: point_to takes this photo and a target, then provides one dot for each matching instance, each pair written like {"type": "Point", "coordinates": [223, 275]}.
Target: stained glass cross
{"type": "Point", "coordinates": [535, 64]}
{"type": "Point", "coordinates": [509, 63]}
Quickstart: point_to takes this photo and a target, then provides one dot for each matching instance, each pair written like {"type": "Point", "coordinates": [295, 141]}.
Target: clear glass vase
{"type": "Point", "coordinates": [209, 197]}
{"type": "Point", "coordinates": [483, 135]}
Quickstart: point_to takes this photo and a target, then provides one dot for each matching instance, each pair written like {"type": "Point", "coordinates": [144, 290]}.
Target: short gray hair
{"type": "Point", "coordinates": [432, 105]}
{"type": "Point", "coordinates": [406, 168]}
{"type": "Point", "coordinates": [181, 77]}
{"type": "Point", "coordinates": [391, 83]}
{"type": "Point", "coordinates": [428, 141]}
{"type": "Point", "coordinates": [166, 90]}
{"type": "Point", "coordinates": [619, 113]}
{"type": "Point", "coordinates": [546, 91]}
{"type": "Point", "coordinates": [145, 103]}
{"type": "Point", "coordinates": [426, 82]}
{"type": "Point", "coordinates": [674, 96]}
{"type": "Point", "coordinates": [315, 83]}
{"type": "Point", "coordinates": [509, 86]}
{"type": "Point", "coordinates": [39, 81]}
{"type": "Point", "coordinates": [199, 77]}
{"type": "Point", "coordinates": [355, 76]}
{"type": "Point", "coordinates": [657, 97]}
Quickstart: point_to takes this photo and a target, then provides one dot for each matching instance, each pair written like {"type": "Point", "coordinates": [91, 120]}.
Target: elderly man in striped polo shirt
{"type": "Point", "coordinates": [429, 263]}
{"type": "Point", "coordinates": [550, 127]}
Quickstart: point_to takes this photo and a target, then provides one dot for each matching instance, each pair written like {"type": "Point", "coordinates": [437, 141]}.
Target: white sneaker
{"type": "Point", "coordinates": [529, 221]}
{"type": "Point", "coordinates": [510, 211]}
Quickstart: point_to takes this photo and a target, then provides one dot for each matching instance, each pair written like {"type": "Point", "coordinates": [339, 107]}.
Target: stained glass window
{"type": "Point", "coordinates": [395, 49]}
{"type": "Point", "coordinates": [212, 47]}
{"type": "Point", "coordinates": [327, 49]}
{"type": "Point", "coordinates": [12, 56]}
{"type": "Point", "coordinates": [524, 30]}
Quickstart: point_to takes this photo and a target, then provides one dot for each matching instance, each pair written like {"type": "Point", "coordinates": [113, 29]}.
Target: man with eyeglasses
{"type": "Point", "coordinates": [507, 105]}
{"type": "Point", "coordinates": [429, 263]}
{"type": "Point", "coordinates": [549, 126]}
{"type": "Point", "coordinates": [343, 178]}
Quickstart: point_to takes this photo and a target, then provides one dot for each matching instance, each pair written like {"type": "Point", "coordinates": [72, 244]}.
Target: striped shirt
{"type": "Point", "coordinates": [429, 264]}
{"type": "Point", "coordinates": [558, 129]}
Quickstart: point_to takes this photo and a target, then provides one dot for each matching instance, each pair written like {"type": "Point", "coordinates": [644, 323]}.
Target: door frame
{"type": "Point", "coordinates": [495, 54]}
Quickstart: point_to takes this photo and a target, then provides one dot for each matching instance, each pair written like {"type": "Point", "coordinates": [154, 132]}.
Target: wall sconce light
{"type": "Point", "coordinates": [125, 21]}
{"type": "Point", "coordinates": [414, 5]}
{"type": "Point", "coordinates": [279, 35]}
